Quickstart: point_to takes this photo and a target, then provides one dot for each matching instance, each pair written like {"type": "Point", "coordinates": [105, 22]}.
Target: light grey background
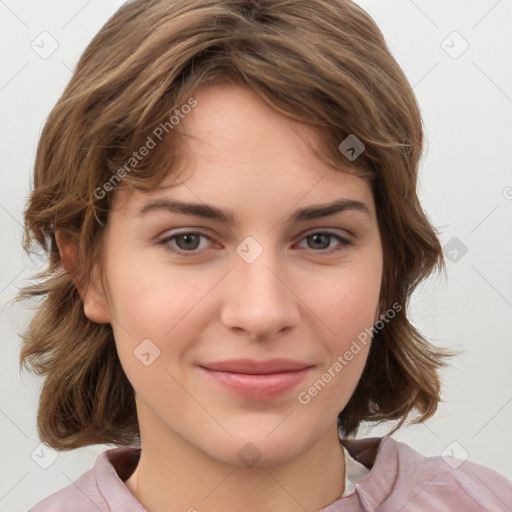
{"type": "Point", "coordinates": [466, 188]}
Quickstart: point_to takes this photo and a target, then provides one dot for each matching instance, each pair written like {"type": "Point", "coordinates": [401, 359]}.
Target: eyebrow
{"type": "Point", "coordinates": [228, 216]}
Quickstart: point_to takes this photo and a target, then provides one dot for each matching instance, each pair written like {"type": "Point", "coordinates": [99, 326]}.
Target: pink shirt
{"type": "Point", "coordinates": [399, 479]}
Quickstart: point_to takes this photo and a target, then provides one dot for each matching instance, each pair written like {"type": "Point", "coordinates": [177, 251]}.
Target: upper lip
{"type": "Point", "coordinates": [251, 366]}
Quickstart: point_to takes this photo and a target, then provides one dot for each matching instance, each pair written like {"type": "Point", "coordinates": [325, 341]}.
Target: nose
{"type": "Point", "coordinates": [260, 300]}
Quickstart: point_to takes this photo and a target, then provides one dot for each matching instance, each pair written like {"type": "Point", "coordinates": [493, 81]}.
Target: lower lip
{"type": "Point", "coordinates": [258, 386]}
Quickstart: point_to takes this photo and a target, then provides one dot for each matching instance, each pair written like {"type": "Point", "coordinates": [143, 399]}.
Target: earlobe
{"type": "Point", "coordinates": [94, 299]}
{"type": "Point", "coordinates": [92, 291]}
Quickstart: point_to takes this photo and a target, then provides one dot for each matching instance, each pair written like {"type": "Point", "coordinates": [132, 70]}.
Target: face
{"type": "Point", "coordinates": [186, 293]}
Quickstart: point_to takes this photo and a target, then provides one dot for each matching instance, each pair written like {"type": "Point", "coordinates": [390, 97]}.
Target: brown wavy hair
{"type": "Point", "coordinates": [322, 62]}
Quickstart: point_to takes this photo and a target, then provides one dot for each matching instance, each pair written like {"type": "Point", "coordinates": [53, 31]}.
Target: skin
{"type": "Point", "coordinates": [298, 300]}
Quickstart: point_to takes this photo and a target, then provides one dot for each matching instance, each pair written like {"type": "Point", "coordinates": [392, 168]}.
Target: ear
{"type": "Point", "coordinates": [92, 292]}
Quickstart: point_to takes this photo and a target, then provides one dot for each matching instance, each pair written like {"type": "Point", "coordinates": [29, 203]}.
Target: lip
{"type": "Point", "coordinates": [251, 366]}
{"type": "Point", "coordinates": [257, 379]}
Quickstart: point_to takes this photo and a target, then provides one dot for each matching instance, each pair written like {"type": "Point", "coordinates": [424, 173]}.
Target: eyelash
{"type": "Point", "coordinates": [165, 242]}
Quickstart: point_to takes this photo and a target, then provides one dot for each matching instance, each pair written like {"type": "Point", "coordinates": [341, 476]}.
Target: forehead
{"type": "Point", "coordinates": [236, 149]}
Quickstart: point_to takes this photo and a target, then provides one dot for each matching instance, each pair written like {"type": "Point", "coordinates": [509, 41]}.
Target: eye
{"type": "Point", "coordinates": [321, 240]}
{"type": "Point", "coordinates": [188, 243]}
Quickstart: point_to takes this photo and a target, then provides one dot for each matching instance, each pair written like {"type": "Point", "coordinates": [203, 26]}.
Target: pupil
{"type": "Point", "coordinates": [188, 238]}
{"type": "Point", "coordinates": [316, 237]}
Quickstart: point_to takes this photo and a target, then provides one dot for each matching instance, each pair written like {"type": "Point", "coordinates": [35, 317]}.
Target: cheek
{"type": "Point", "coordinates": [170, 306]}
{"type": "Point", "coordinates": [151, 297]}
{"type": "Point", "coordinates": [348, 309]}
{"type": "Point", "coordinates": [148, 302]}
{"type": "Point", "coordinates": [348, 301]}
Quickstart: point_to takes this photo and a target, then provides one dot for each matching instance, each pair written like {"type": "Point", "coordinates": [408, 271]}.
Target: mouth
{"type": "Point", "coordinates": [257, 379]}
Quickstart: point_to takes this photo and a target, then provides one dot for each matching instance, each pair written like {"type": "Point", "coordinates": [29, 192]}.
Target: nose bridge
{"type": "Point", "coordinates": [259, 299]}
{"type": "Point", "coordinates": [262, 280]}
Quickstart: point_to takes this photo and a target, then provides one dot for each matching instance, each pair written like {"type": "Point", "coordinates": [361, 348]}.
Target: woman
{"type": "Point", "coordinates": [228, 194]}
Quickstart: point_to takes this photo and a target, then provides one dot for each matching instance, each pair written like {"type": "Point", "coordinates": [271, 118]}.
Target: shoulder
{"type": "Point", "coordinates": [449, 482]}
{"type": "Point", "coordinates": [80, 496]}
{"type": "Point", "coordinates": [401, 478]}
{"type": "Point", "coordinates": [101, 489]}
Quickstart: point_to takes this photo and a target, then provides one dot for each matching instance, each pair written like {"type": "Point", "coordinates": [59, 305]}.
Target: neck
{"type": "Point", "coordinates": [173, 476]}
